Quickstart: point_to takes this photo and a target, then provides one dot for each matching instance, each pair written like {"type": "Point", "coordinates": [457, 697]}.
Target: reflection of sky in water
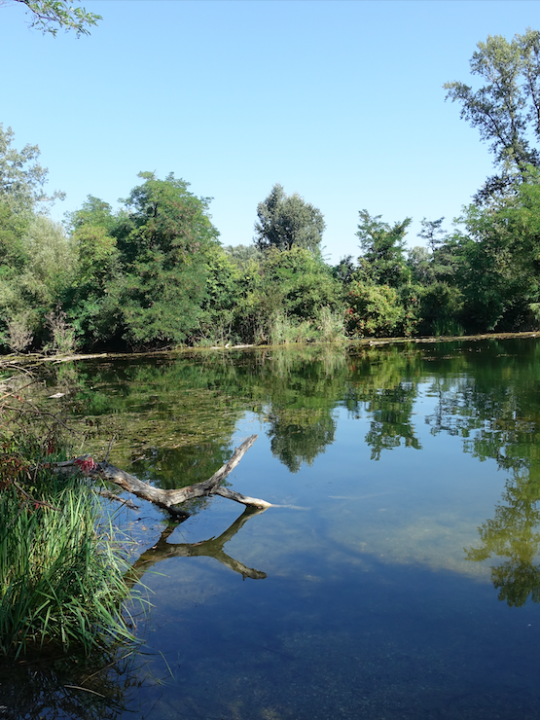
{"type": "Point", "coordinates": [411, 506]}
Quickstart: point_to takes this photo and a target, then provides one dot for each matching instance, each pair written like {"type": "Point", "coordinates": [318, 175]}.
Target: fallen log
{"type": "Point", "coordinates": [168, 499]}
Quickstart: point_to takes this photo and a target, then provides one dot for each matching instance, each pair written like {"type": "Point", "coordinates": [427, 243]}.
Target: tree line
{"type": "Point", "coordinates": [154, 273]}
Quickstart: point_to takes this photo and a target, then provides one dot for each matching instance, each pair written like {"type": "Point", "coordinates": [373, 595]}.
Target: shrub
{"type": "Point", "coordinates": [373, 310]}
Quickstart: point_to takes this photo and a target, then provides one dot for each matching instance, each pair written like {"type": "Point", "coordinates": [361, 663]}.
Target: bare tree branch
{"type": "Point", "coordinates": [168, 499]}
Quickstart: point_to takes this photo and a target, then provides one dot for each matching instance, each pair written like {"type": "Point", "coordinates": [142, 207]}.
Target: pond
{"type": "Point", "coordinates": [398, 576]}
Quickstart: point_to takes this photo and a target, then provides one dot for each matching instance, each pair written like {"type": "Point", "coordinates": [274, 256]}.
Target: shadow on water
{"type": "Point", "coordinates": [96, 688]}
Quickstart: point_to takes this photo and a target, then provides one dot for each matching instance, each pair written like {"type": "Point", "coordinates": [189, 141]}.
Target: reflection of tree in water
{"type": "Point", "coordinates": [177, 417]}
{"type": "Point", "coordinates": [300, 394]}
{"type": "Point", "coordinates": [300, 435]}
{"type": "Point", "coordinates": [384, 386]}
{"type": "Point", "coordinates": [164, 550]}
{"type": "Point", "coordinates": [390, 409]}
{"type": "Point", "coordinates": [513, 534]}
{"type": "Point", "coordinates": [494, 408]}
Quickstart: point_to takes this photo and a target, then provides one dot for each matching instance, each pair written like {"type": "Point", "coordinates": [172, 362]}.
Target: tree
{"type": "Point", "coordinates": [163, 239]}
{"type": "Point", "coordinates": [22, 178]}
{"type": "Point", "coordinates": [51, 15]}
{"type": "Point", "coordinates": [419, 262]}
{"type": "Point", "coordinates": [432, 233]}
{"type": "Point", "coordinates": [301, 283]}
{"type": "Point", "coordinates": [383, 250]}
{"type": "Point", "coordinates": [344, 270]}
{"type": "Point", "coordinates": [30, 244]}
{"type": "Point", "coordinates": [506, 110]}
{"type": "Point", "coordinates": [373, 310]}
{"type": "Point", "coordinates": [288, 220]}
{"type": "Point", "coordinates": [242, 255]}
{"type": "Point", "coordinates": [496, 262]}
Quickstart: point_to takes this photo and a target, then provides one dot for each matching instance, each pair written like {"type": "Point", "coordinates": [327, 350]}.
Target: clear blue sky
{"type": "Point", "coordinates": [341, 102]}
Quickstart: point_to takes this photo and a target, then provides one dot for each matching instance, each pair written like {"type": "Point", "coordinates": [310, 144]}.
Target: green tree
{"type": "Point", "coordinates": [30, 294]}
{"type": "Point", "coordinates": [433, 233]}
{"type": "Point", "coordinates": [292, 285]}
{"type": "Point", "coordinates": [496, 255]}
{"type": "Point", "coordinates": [22, 178]}
{"type": "Point", "coordinates": [94, 211]}
{"type": "Point", "coordinates": [374, 310]}
{"type": "Point", "coordinates": [51, 15]}
{"type": "Point", "coordinates": [92, 301]}
{"type": "Point", "coordinates": [344, 270]}
{"type": "Point", "coordinates": [222, 291]}
{"type": "Point", "coordinates": [34, 253]}
{"type": "Point", "coordinates": [286, 221]}
{"type": "Point", "coordinates": [383, 251]}
{"type": "Point", "coordinates": [419, 261]}
{"type": "Point", "coordinates": [144, 273]}
{"type": "Point", "coordinates": [242, 255]}
{"type": "Point", "coordinates": [506, 110]}
{"type": "Point", "coordinates": [301, 280]}
{"type": "Point", "coordinates": [22, 194]}
{"type": "Point", "coordinates": [163, 240]}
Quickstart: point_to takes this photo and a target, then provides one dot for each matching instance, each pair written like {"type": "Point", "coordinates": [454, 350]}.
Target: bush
{"type": "Point", "coordinates": [374, 310]}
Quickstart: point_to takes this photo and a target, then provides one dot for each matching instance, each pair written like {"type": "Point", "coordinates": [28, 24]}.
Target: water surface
{"type": "Point", "coordinates": [399, 577]}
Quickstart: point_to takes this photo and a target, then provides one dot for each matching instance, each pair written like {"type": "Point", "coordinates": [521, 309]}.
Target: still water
{"type": "Point", "coordinates": [398, 576]}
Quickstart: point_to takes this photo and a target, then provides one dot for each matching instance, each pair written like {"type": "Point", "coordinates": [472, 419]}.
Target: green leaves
{"type": "Point", "coordinates": [51, 15]}
{"type": "Point", "coordinates": [383, 247]}
{"type": "Point", "coordinates": [505, 110]}
{"type": "Point", "coordinates": [286, 221]}
{"type": "Point", "coordinates": [143, 271]}
{"type": "Point", "coordinates": [22, 178]}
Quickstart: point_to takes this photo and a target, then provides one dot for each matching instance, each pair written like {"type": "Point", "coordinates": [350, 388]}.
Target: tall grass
{"type": "Point", "coordinates": [447, 327]}
{"type": "Point", "coordinates": [331, 326]}
{"type": "Point", "coordinates": [61, 571]}
{"type": "Point", "coordinates": [328, 327]}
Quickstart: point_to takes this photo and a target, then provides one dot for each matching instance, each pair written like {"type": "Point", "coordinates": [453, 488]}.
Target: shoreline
{"type": "Point", "coordinates": [37, 359]}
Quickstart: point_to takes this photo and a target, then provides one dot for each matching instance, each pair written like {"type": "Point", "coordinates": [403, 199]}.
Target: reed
{"type": "Point", "coordinates": [61, 569]}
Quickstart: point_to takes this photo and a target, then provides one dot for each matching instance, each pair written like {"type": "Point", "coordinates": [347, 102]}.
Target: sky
{"type": "Point", "coordinates": [341, 102]}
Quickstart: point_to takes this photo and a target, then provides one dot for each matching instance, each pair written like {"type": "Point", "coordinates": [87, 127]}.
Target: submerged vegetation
{"type": "Point", "coordinates": [175, 418]}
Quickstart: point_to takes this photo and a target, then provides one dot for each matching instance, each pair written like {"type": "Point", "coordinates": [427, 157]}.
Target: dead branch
{"type": "Point", "coordinates": [168, 499]}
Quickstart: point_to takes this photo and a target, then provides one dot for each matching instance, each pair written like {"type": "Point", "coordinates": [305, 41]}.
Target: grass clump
{"type": "Point", "coordinates": [61, 571]}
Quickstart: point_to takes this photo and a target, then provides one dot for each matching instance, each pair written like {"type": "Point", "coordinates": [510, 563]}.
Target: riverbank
{"type": "Point", "coordinates": [38, 359]}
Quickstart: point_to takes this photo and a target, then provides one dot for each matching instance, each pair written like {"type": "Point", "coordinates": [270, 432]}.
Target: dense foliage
{"type": "Point", "coordinates": [154, 274]}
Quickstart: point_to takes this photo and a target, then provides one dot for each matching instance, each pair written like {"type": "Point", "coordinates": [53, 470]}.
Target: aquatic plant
{"type": "Point", "coordinates": [61, 570]}
{"type": "Point", "coordinates": [61, 566]}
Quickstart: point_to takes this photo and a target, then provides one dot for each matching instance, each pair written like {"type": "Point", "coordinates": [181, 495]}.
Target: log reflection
{"type": "Point", "coordinates": [213, 547]}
